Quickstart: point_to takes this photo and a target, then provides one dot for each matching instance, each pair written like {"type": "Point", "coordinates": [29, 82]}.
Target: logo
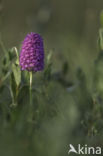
{"type": "Point", "coordinates": [84, 150]}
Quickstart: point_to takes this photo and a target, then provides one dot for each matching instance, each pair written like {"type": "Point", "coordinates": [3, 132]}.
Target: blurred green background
{"type": "Point", "coordinates": [68, 96]}
{"type": "Point", "coordinates": [70, 27]}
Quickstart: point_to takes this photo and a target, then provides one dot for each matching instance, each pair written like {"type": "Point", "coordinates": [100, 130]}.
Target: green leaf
{"type": "Point", "coordinates": [49, 56]}
{"type": "Point", "coordinates": [13, 88]}
{"type": "Point", "coordinates": [13, 55]}
{"type": "Point", "coordinates": [17, 73]}
{"type": "Point", "coordinates": [17, 56]}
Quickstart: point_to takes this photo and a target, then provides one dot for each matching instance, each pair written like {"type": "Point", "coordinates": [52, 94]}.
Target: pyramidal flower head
{"type": "Point", "coordinates": [32, 53]}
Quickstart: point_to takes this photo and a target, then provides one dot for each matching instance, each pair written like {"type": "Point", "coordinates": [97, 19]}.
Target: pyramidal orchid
{"type": "Point", "coordinates": [31, 58]}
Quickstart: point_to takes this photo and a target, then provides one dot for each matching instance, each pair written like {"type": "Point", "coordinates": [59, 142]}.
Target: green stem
{"type": "Point", "coordinates": [30, 94]}
{"type": "Point", "coordinates": [30, 89]}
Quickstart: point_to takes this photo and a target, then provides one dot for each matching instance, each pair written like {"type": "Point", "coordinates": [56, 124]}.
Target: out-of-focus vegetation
{"type": "Point", "coordinates": [68, 94]}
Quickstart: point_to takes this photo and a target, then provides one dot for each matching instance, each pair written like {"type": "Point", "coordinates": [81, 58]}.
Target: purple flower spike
{"type": "Point", "coordinates": [32, 53]}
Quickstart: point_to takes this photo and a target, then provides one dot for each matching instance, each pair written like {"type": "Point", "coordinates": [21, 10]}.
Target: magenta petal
{"type": "Point", "coordinates": [32, 53]}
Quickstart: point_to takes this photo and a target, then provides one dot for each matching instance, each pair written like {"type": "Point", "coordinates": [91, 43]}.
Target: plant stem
{"type": "Point", "coordinates": [30, 95]}
{"type": "Point", "coordinates": [30, 89]}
